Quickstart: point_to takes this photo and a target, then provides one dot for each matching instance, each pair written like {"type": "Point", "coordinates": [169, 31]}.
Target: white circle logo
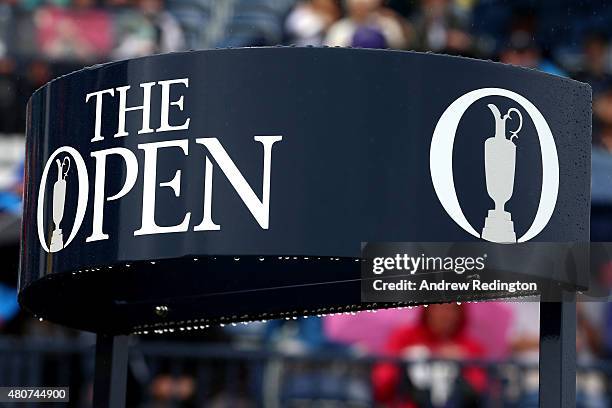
{"type": "Point", "coordinates": [63, 162]}
{"type": "Point", "coordinates": [500, 160]}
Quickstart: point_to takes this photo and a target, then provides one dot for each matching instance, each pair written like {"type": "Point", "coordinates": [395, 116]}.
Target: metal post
{"type": "Point", "coordinates": [110, 378]}
{"type": "Point", "coordinates": [558, 354]}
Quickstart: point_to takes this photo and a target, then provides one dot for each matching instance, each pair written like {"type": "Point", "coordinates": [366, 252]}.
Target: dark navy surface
{"type": "Point", "coordinates": [353, 166]}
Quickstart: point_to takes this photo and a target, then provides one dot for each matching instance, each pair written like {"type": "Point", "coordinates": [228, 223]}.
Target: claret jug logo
{"type": "Point", "coordinates": [499, 165]}
{"type": "Point", "coordinates": [64, 160]}
{"type": "Point", "coordinates": [67, 169]}
{"type": "Point", "coordinates": [59, 200]}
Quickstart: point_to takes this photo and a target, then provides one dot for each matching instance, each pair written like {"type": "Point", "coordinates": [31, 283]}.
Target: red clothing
{"type": "Point", "coordinates": [386, 376]}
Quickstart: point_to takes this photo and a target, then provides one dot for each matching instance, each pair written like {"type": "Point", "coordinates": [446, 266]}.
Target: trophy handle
{"type": "Point", "coordinates": [65, 163]}
{"type": "Point", "coordinates": [514, 133]}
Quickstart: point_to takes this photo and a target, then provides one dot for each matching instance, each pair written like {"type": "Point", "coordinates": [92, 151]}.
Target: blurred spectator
{"type": "Point", "coordinates": [602, 108]}
{"type": "Point", "coordinates": [6, 17]}
{"type": "Point", "coordinates": [405, 8]}
{"type": "Point", "coordinates": [595, 72]}
{"type": "Point", "coordinates": [602, 119]}
{"type": "Point", "coordinates": [309, 20]}
{"type": "Point", "coordinates": [607, 335]}
{"type": "Point", "coordinates": [487, 322]}
{"type": "Point", "coordinates": [441, 333]}
{"type": "Point", "coordinates": [589, 341]}
{"type": "Point", "coordinates": [32, 4]}
{"type": "Point", "coordinates": [524, 334]}
{"type": "Point", "coordinates": [149, 30]}
{"type": "Point", "coordinates": [17, 83]}
{"type": "Point", "coordinates": [368, 37]}
{"type": "Point", "coordinates": [372, 14]}
{"type": "Point", "coordinates": [524, 340]}
{"type": "Point", "coordinates": [37, 74]}
{"type": "Point", "coordinates": [81, 33]}
{"type": "Point", "coordinates": [369, 331]}
{"type": "Point", "coordinates": [298, 336]}
{"type": "Point", "coordinates": [11, 192]}
{"type": "Point", "coordinates": [595, 69]}
{"type": "Point", "coordinates": [177, 390]}
{"type": "Point", "coordinates": [439, 27]}
{"type": "Point", "coordinates": [174, 384]}
{"type": "Point", "coordinates": [8, 303]}
{"type": "Point", "coordinates": [591, 384]}
{"type": "Point", "coordinates": [523, 51]}
{"type": "Point", "coordinates": [9, 94]}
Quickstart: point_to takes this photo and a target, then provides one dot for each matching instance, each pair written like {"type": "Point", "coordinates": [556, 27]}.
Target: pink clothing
{"type": "Point", "coordinates": [489, 323]}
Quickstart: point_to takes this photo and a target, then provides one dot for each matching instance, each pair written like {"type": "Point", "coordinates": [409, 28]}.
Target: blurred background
{"type": "Point", "coordinates": [479, 354]}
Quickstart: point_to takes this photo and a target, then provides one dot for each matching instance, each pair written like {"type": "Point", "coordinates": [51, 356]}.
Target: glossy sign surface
{"type": "Point", "coordinates": [227, 185]}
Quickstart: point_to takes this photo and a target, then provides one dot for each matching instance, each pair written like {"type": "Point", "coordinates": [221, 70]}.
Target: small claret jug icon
{"type": "Point", "coordinates": [59, 200]}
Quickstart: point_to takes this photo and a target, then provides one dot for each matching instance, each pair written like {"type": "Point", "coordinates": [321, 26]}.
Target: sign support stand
{"type": "Point", "coordinates": [558, 354]}
{"type": "Point", "coordinates": [110, 378]}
